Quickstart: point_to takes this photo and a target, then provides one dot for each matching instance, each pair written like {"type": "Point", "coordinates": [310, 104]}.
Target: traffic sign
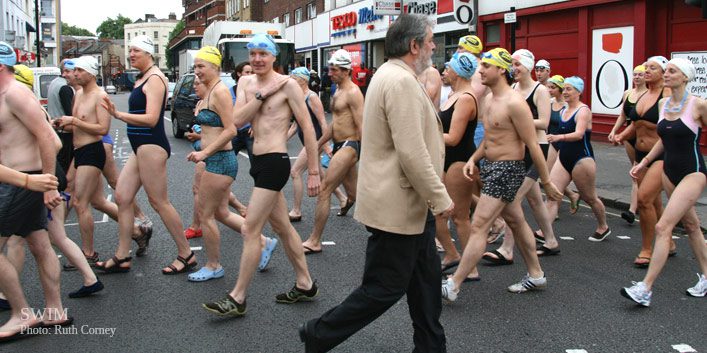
{"type": "Point", "coordinates": [509, 17]}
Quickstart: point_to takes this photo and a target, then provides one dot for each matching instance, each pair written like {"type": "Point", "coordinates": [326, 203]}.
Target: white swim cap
{"type": "Point", "coordinates": [87, 63]}
{"type": "Point", "coordinates": [341, 58]}
{"type": "Point", "coordinates": [525, 57]}
{"type": "Point", "coordinates": [685, 66]}
{"type": "Point", "coordinates": [143, 43]}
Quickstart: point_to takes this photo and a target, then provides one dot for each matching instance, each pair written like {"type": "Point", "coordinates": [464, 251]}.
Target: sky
{"type": "Point", "coordinates": [78, 13]}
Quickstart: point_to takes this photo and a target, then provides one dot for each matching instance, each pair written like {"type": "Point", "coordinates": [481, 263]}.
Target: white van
{"type": "Point", "coordinates": [43, 76]}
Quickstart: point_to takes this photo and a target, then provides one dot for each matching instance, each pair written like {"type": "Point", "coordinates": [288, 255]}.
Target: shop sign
{"type": "Point", "coordinates": [464, 12]}
{"type": "Point", "coordinates": [345, 24]}
{"type": "Point", "coordinates": [366, 15]}
{"type": "Point", "coordinates": [612, 61]}
{"type": "Point", "coordinates": [423, 7]}
{"type": "Point", "coordinates": [388, 7]}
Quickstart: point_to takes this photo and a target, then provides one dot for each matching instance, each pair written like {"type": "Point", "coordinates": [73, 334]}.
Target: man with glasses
{"type": "Point", "coordinates": [542, 71]}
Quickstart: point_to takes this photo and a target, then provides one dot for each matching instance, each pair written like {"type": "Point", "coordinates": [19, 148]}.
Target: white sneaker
{"type": "Point", "coordinates": [638, 293]}
{"type": "Point", "coordinates": [700, 289]}
{"type": "Point", "coordinates": [449, 290]}
{"type": "Point", "coordinates": [528, 283]}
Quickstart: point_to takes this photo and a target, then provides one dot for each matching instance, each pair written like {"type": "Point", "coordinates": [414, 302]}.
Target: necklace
{"type": "Point", "coordinates": [142, 74]}
{"type": "Point", "coordinates": [677, 109]}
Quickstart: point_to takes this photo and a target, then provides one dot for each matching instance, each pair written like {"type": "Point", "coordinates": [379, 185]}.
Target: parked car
{"type": "Point", "coordinates": [110, 89]}
{"type": "Point", "coordinates": [170, 92]}
{"type": "Point", "coordinates": [184, 101]}
{"type": "Point", "coordinates": [43, 76]}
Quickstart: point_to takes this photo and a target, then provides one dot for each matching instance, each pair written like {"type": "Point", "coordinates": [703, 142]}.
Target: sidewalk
{"type": "Point", "coordinates": [614, 184]}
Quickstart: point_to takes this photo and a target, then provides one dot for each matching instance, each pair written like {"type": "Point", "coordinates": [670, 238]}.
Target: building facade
{"type": "Point", "coordinates": [50, 32]}
{"type": "Point", "coordinates": [300, 16]}
{"type": "Point", "coordinates": [244, 10]}
{"type": "Point", "coordinates": [17, 28]}
{"type": "Point", "coordinates": [110, 54]}
{"type": "Point", "coordinates": [198, 14]}
{"type": "Point", "coordinates": [158, 30]}
{"type": "Point", "coordinates": [598, 40]}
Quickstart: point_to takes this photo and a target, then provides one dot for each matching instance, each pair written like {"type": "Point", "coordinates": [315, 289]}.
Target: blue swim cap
{"type": "Point", "coordinates": [464, 64]}
{"type": "Point", "coordinates": [263, 41]}
{"type": "Point", "coordinates": [69, 65]}
{"type": "Point", "coordinates": [575, 82]}
{"type": "Point", "coordinates": [301, 72]}
{"type": "Point", "coordinates": [7, 54]}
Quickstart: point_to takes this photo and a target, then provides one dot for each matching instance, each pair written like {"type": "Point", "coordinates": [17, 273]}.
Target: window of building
{"type": "Point", "coordinates": [128, 36]}
{"type": "Point", "coordinates": [286, 19]}
{"type": "Point", "coordinates": [157, 48]}
{"type": "Point", "coordinates": [493, 33]}
{"type": "Point", "coordinates": [157, 35]}
{"type": "Point", "coordinates": [298, 15]}
{"type": "Point", "coordinates": [311, 10]}
{"type": "Point", "coordinates": [246, 3]}
{"type": "Point", "coordinates": [144, 33]}
{"type": "Point", "coordinates": [276, 20]}
{"type": "Point", "coordinates": [238, 5]}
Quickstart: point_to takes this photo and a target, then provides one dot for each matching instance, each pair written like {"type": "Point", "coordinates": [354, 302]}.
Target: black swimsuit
{"type": "Point", "coordinates": [628, 106]}
{"type": "Point", "coordinates": [681, 142]}
{"type": "Point", "coordinates": [315, 123]}
{"type": "Point", "coordinates": [466, 147]}
{"type": "Point", "coordinates": [145, 135]}
{"type": "Point", "coordinates": [651, 115]}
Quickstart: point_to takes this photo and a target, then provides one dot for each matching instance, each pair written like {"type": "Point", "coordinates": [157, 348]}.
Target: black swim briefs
{"type": "Point", "coordinates": [92, 154]}
{"type": "Point", "coordinates": [21, 211]}
{"type": "Point", "coordinates": [270, 171]}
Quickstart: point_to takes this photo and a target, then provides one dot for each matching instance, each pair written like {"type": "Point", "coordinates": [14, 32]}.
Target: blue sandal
{"type": "Point", "coordinates": [205, 274]}
{"type": "Point", "coordinates": [270, 245]}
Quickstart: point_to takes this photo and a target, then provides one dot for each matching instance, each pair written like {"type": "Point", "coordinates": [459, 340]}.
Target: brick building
{"type": "Point", "coordinates": [244, 10]}
{"type": "Point", "coordinates": [198, 14]}
{"type": "Point", "coordinates": [294, 12]}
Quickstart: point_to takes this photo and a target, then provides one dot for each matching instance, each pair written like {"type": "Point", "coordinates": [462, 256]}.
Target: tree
{"type": "Point", "coordinates": [69, 30]}
{"type": "Point", "coordinates": [113, 28]}
{"type": "Point", "coordinates": [175, 32]}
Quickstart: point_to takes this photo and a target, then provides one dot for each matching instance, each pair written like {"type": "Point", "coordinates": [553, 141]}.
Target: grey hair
{"type": "Point", "coordinates": [406, 28]}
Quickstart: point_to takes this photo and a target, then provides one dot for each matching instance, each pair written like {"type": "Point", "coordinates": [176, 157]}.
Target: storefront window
{"type": "Point", "coordinates": [438, 58]}
{"type": "Point", "coordinates": [493, 33]}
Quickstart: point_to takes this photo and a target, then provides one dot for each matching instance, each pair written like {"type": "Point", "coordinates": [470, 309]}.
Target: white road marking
{"type": "Point", "coordinates": [196, 248]}
{"type": "Point", "coordinates": [58, 256]}
{"type": "Point", "coordinates": [566, 238]}
{"type": "Point", "coordinates": [75, 224]}
{"type": "Point", "coordinates": [328, 243]}
{"type": "Point", "coordinates": [623, 237]}
{"type": "Point", "coordinates": [244, 155]}
{"type": "Point", "coordinates": [683, 348]}
{"type": "Point", "coordinates": [676, 237]}
{"type": "Point", "coordinates": [105, 216]}
{"type": "Point", "coordinates": [576, 351]}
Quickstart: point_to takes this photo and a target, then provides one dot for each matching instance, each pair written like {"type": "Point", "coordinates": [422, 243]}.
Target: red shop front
{"type": "Point", "coordinates": [580, 37]}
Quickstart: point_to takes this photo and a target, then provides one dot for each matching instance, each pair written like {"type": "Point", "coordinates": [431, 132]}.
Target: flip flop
{"type": "Point", "coordinates": [68, 322]}
{"type": "Point", "coordinates": [472, 279]}
{"type": "Point", "coordinates": [642, 261]}
{"type": "Point", "coordinates": [574, 206]}
{"type": "Point", "coordinates": [499, 260]}
{"type": "Point", "coordinates": [205, 274]}
{"type": "Point", "coordinates": [4, 304]}
{"type": "Point", "coordinates": [22, 333]}
{"type": "Point", "coordinates": [539, 238]}
{"type": "Point", "coordinates": [295, 218]}
{"type": "Point", "coordinates": [449, 266]}
{"type": "Point", "coordinates": [344, 210]}
{"type": "Point", "coordinates": [270, 245]}
{"type": "Point", "coordinates": [310, 251]}
{"type": "Point", "coordinates": [547, 251]}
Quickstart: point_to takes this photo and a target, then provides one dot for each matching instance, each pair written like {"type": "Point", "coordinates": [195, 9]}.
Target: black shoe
{"type": "Point", "coordinates": [297, 294]}
{"type": "Point", "coordinates": [226, 307]}
{"type": "Point", "coordinates": [86, 291]}
{"type": "Point", "coordinates": [306, 336]}
{"type": "Point", "coordinates": [628, 216]}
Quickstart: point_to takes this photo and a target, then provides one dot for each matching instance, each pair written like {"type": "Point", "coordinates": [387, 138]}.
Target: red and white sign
{"type": "Point", "coordinates": [612, 68]}
{"type": "Point", "coordinates": [388, 7]}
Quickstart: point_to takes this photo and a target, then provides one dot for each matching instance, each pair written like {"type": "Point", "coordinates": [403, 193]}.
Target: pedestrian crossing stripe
{"type": "Point", "coordinates": [566, 238]}
{"type": "Point", "coordinates": [196, 248]}
{"type": "Point", "coordinates": [623, 237]}
{"type": "Point", "coordinates": [683, 348]}
{"type": "Point", "coordinates": [328, 243]}
{"type": "Point", "coordinates": [576, 351]}
{"type": "Point", "coordinates": [676, 237]}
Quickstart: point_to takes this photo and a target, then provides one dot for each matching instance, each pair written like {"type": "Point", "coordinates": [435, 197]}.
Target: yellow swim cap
{"type": "Point", "coordinates": [498, 57]}
{"type": "Point", "coordinates": [471, 44]}
{"type": "Point", "coordinates": [24, 75]}
{"type": "Point", "coordinates": [639, 68]}
{"type": "Point", "coordinates": [557, 80]}
{"type": "Point", "coordinates": [209, 54]}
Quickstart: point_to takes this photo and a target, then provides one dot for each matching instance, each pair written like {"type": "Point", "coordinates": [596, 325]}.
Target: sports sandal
{"type": "Point", "coordinates": [143, 240]}
{"type": "Point", "coordinates": [187, 266]}
{"type": "Point", "coordinates": [116, 268]}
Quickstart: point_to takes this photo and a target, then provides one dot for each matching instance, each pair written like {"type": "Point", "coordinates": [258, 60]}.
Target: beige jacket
{"type": "Point", "coordinates": [402, 154]}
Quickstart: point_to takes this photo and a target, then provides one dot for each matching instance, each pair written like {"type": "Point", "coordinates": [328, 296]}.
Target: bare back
{"type": "Point", "coordinates": [86, 107]}
{"type": "Point", "coordinates": [346, 104]}
{"type": "Point", "coordinates": [271, 123]}
{"type": "Point", "coordinates": [18, 145]}
{"type": "Point", "coordinates": [480, 92]}
{"type": "Point", "coordinates": [501, 137]}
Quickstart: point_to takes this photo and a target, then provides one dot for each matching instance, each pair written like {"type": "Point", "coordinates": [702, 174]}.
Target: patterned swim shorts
{"type": "Point", "coordinates": [222, 162]}
{"type": "Point", "coordinates": [502, 179]}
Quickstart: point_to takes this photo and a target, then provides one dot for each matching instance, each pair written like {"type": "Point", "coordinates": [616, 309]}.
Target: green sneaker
{"type": "Point", "coordinates": [296, 294]}
{"type": "Point", "coordinates": [226, 307]}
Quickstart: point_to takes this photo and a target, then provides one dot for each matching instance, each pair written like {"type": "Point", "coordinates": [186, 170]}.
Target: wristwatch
{"type": "Point", "coordinates": [259, 96]}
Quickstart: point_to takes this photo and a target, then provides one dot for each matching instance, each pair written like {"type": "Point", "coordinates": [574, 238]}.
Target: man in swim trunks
{"type": "Point", "coordinates": [347, 112]}
{"type": "Point", "coordinates": [509, 126]}
{"type": "Point", "coordinates": [267, 100]}
{"type": "Point", "coordinates": [90, 121]}
{"type": "Point", "coordinates": [27, 144]}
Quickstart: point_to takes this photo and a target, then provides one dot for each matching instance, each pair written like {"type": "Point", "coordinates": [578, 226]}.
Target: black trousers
{"type": "Point", "coordinates": [396, 265]}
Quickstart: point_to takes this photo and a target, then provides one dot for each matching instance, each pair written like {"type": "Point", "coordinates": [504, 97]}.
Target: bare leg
{"type": "Point", "coordinates": [584, 176]}
{"type": "Point", "coordinates": [10, 285]}
{"type": "Point", "coordinates": [213, 191]}
{"type": "Point", "coordinates": [680, 206]}
{"type": "Point", "coordinates": [48, 265]}
{"type": "Point", "coordinates": [513, 214]}
{"type": "Point", "coordinates": [460, 190]}
{"type": "Point", "coordinates": [649, 188]}
{"type": "Point", "coordinates": [298, 183]}
{"type": "Point", "coordinates": [86, 183]}
{"type": "Point", "coordinates": [110, 172]}
{"type": "Point", "coordinates": [57, 235]}
{"type": "Point", "coordinates": [199, 169]}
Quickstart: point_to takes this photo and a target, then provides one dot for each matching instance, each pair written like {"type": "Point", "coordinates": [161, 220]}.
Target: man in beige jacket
{"type": "Point", "coordinates": [399, 190]}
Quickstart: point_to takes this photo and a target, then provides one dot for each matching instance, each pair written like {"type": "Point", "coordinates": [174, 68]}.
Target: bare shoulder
{"type": "Point", "coordinates": [19, 95]}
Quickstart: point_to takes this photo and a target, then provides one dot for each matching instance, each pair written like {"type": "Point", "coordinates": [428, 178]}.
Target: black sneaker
{"type": "Point", "coordinates": [296, 294]}
{"type": "Point", "coordinates": [226, 307]}
{"type": "Point", "coordinates": [628, 216]}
